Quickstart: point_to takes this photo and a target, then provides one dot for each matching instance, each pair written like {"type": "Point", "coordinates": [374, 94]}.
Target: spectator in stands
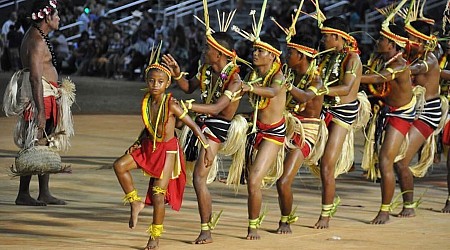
{"type": "Point", "coordinates": [179, 46]}
{"type": "Point", "coordinates": [83, 54]}
{"type": "Point", "coordinates": [61, 47]}
{"type": "Point", "coordinates": [138, 53]}
{"type": "Point", "coordinates": [115, 50]}
{"type": "Point", "coordinates": [14, 37]}
{"type": "Point", "coordinates": [5, 29]}
{"type": "Point", "coordinates": [83, 18]}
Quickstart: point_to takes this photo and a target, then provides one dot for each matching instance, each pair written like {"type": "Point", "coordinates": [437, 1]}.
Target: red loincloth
{"type": "Point", "coordinates": [152, 163]}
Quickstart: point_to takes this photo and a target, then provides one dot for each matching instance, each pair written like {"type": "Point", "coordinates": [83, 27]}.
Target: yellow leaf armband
{"type": "Point", "coordinates": [233, 96]}
{"type": "Point", "coordinates": [180, 76]}
{"type": "Point", "coordinates": [313, 89]}
{"type": "Point", "coordinates": [186, 108]}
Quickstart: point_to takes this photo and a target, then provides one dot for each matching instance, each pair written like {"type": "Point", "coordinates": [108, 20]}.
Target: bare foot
{"type": "Point", "coordinates": [437, 158]}
{"type": "Point", "coordinates": [203, 238]}
{"type": "Point", "coordinates": [27, 200]}
{"type": "Point", "coordinates": [152, 243]}
{"type": "Point", "coordinates": [446, 209]}
{"type": "Point", "coordinates": [322, 223]}
{"type": "Point", "coordinates": [253, 234]}
{"type": "Point", "coordinates": [136, 208]}
{"type": "Point", "coordinates": [50, 200]}
{"type": "Point", "coordinates": [382, 218]}
{"type": "Point", "coordinates": [284, 228]}
{"type": "Point", "coordinates": [407, 212]}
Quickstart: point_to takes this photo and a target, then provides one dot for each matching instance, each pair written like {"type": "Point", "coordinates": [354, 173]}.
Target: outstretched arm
{"type": "Point", "coordinates": [271, 91]}
{"type": "Point", "coordinates": [421, 66]}
{"type": "Point", "coordinates": [384, 75]}
{"type": "Point", "coordinates": [445, 74]}
{"type": "Point", "coordinates": [188, 86]}
{"type": "Point", "coordinates": [181, 114]}
{"type": "Point", "coordinates": [230, 94]}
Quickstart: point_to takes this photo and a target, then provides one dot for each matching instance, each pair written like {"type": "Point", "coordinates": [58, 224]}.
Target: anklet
{"type": "Point", "coordinates": [131, 197]}
{"type": "Point", "coordinates": [155, 231]}
{"type": "Point", "coordinates": [385, 207]}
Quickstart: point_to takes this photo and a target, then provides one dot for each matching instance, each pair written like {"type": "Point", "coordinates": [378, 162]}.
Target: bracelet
{"type": "Point", "coordinates": [289, 87]}
{"type": "Point", "coordinates": [251, 88]}
{"type": "Point", "coordinates": [313, 89]}
{"type": "Point", "coordinates": [180, 76]}
{"type": "Point", "coordinates": [205, 146]}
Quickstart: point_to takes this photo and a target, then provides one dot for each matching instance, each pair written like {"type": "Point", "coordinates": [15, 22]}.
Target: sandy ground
{"type": "Point", "coordinates": [95, 217]}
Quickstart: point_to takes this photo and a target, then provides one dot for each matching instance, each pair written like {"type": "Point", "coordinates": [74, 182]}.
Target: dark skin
{"type": "Point", "coordinates": [157, 82]}
{"type": "Point", "coordinates": [222, 108]}
{"type": "Point", "coordinates": [35, 56]}
{"type": "Point", "coordinates": [400, 95]}
{"type": "Point", "coordinates": [347, 90]}
{"type": "Point", "coordinates": [299, 63]}
{"type": "Point", "coordinates": [267, 151]}
{"type": "Point", "coordinates": [426, 73]}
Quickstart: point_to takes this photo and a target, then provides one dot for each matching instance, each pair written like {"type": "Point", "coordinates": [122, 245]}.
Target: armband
{"type": "Point", "coordinates": [278, 81]}
{"type": "Point", "coordinates": [180, 76]}
{"type": "Point", "coordinates": [233, 96]}
{"type": "Point", "coordinates": [289, 86]}
{"type": "Point", "coordinates": [426, 65]}
{"type": "Point", "coordinates": [313, 89]}
{"type": "Point", "coordinates": [205, 146]}
{"type": "Point", "coordinates": [352, 72]}
{"type": "Point", "coordinates": [390, 70]}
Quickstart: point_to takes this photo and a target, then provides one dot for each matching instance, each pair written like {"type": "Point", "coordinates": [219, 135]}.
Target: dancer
{"type": "Point", "coordinates": [157, 152]}
{"type": "Point", "coordinates": [220, 86]}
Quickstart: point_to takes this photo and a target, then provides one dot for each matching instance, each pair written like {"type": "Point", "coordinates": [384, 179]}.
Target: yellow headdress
{"type": "Point", "coordinates": [153, 63]}
{"type": "Point", "coordinates": [290, 32]}
{"type": "Point", "coordinates": [223, 27]}
{"type": "Point", "coordinates": [256, 27]}
{"type": "Point", "coordinates": [328, 30]}
{"type": "Point", "coordinates": [390, 13]}
{"type": "Point", "coordinates": [415, 13]}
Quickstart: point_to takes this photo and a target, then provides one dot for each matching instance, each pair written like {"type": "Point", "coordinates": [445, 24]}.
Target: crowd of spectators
{"type": "Point", "coordinates": [101, 46]}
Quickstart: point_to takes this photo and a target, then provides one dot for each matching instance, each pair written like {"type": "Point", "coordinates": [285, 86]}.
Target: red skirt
{"type": "Point", "coordinates": [152, 163]}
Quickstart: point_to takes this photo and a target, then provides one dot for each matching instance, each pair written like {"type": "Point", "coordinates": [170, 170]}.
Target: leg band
{"type": "Point", "coordinates": [158, 190]}
{"type": "Point", "coordinates": [385, 207]}
{"type": "Point", "coordinates": [131, 197]}
{"type": "Point", "coordinates": [155, 230]}
{"type": "Point", "coordinates": [289, 219]}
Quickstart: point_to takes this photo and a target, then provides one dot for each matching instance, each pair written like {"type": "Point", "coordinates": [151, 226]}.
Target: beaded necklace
{"type": "Point", "coordinates": [49, 45]}
{"type": "Point", "coordinates": [303, 83]}
{"type": "Point", "coordinates": [214, 91]}
{"type": "Point", "coordinates": [257, 101]}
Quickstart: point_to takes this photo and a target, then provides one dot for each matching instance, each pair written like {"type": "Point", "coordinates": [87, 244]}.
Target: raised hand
{"type": "Point", "coordinates": [172, 64]}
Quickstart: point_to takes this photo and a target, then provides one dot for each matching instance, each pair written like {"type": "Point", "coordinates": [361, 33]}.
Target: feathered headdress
{"type": "Point", "coordinates": [224, 23]}
{"type": "Point", "coordinates": [415, 13]}
{"type": "Point", "coordinates": [320, 17]}
{"type": "Point", "coordinates": [390, 13]}
{"type": "Point", "coordinates": [290, 32]}
{"type": "Point", "coordinates": [153, 63]}
{"type": "Point", "coordinates": [256, 27]}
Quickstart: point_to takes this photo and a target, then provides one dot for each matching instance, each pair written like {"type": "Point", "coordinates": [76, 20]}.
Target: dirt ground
{"type": "Point", "coordinates": [95, 217]}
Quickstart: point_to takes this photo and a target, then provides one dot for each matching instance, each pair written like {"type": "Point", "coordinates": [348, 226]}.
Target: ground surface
{"type": "Point", "coordinates": [107, 121]}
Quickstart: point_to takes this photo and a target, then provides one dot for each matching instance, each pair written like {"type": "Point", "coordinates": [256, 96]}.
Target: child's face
{"type": "Point", "coordinates": [157, 81]}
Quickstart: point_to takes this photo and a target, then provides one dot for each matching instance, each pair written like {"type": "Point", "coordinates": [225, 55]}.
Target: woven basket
{"type": "Point", "coordinates": [38, 160]}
